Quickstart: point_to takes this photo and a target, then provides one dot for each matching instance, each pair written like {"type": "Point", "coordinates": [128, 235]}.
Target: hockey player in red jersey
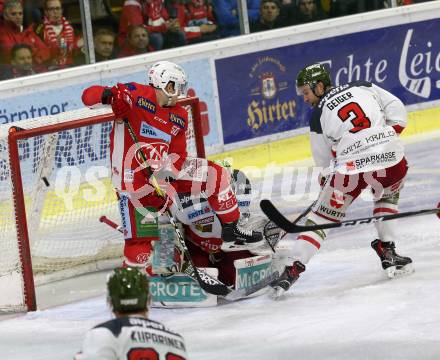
{"type": "Point", "coordinates": [354, 136]}
{"type": "Point", "coordinates": [160, 126]}
{"type": "Point", "coordinates": [203, 230]}
{"type": "Point", "coordinates": [131, 335]}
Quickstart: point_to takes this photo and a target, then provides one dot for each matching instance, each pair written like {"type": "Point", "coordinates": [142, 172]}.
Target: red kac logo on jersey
{"type": "Point", "coordinates": [337, 200]}
{"type": "Point", "coordinates": [154, 152]}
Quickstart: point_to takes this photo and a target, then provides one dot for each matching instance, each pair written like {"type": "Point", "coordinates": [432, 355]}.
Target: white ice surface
{"type": "Point", "coordinates": [342, 307]}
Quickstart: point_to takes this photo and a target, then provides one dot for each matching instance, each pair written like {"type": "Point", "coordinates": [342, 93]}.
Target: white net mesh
{"type": "Point", "coordinates": [67, 187]}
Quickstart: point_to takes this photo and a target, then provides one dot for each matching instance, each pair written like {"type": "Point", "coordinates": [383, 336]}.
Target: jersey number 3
{"type": "Point", "coordinates": [353, 112]}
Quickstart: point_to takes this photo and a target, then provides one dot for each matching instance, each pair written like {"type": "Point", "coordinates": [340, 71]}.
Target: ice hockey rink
{"type": "Point", "coordinates": [343, 307]}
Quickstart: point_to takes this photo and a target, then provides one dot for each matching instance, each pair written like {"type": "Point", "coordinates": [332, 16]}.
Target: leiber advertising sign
{"type": "Point", "coordinates": [257, 90]}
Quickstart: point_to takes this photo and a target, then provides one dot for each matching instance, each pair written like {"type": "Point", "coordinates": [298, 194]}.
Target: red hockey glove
{"type": "Point", "coordinates": [93, 95]}
{"type": "Point", "coordinates": [121, 101]}
{"type": "Point", "coordinates": [160, 203]}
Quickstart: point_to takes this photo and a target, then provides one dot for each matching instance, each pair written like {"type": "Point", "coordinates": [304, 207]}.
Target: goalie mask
{"type": "Point", "coordinates": [164, 72]}
{"type": "Point", "coordinates": [311, 74]}
{"type": "Point", "coordinates": [128, 290]}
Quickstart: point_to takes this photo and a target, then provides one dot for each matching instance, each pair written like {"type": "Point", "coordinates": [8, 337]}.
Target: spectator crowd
{"type": "Point", "coordinates": [37, 36]}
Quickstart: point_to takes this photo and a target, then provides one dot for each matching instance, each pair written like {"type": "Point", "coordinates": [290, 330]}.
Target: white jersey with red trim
{"type": "Point", "coordinates": [132, 337]}
{"type": "Point", "coordinates": [358, 124]}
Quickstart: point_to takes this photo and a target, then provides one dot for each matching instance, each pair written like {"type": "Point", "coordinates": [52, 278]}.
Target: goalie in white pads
{"type": "Point", "coordinates": [203, 233]}
{"type": "Point", "coordinates": [131, 335]}
{"type": "Point", "coordinates": [149, 131]}
{"type": "Point", "coordinates": [244, 266]}
{"type": "Point", "coordinates": [354, 135]}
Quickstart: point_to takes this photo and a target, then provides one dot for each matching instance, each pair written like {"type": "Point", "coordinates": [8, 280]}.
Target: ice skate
{"type": "Point", "coordinates": [393, 264]}
{"type": "Point", "coordinates": [236, 238]}
{"type": "Point", "coordinates": [287, 278]}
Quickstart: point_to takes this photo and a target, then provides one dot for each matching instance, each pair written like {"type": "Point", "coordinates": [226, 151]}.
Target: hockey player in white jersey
{"type": "Point", "coordinates": [131, 335]}
{"type": "Point", "coordinates": [354, 132]}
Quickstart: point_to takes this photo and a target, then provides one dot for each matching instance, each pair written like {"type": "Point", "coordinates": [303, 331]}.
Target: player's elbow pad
{"type": "Point", "coordinates": [94, 95]}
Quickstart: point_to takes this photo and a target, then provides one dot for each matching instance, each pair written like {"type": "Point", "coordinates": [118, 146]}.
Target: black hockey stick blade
{"type": "Point", "coordinates": [207, 282]}
{"type": "Point", "coordinates": [244, 293]}
{"type": "Point", "coordinates": [273, 214]}
{"type": "Point", "coordinates": [279, 219]}
{"type": "Point", "coordinates": [216, 287]}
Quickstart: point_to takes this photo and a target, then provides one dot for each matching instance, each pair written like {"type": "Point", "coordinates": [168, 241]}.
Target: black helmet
{"type": "Point", "coordinates": [128, 290]}
{"type": "Point", "coordinates": [311, 74]}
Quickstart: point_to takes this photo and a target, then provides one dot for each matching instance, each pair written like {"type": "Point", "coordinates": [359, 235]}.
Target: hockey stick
{"type": "Point", "coordinates": [206, 282]}
{"type": "Point", "coordinates": [104, 219]}
{"type": "Point", "coordinates": [279, 219]}
{"type": "Point", "coordinates": [233, 294]}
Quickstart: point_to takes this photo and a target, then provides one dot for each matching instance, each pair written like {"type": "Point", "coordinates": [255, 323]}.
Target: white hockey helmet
{"type": "Point", "coordinates": [163, 72]}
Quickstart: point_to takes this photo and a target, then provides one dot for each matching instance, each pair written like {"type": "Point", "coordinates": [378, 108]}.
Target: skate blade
{"type": "Point", "coordinates": [232, 246]}
{"type": "Point", "coordinates": [276, 293]}
{"type": "Point", "coordinates": [393, 272]}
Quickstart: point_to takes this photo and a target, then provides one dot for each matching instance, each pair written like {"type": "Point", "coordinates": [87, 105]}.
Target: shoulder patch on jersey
{"type": "Point", "coordinates": [114, 326]}
{"type": "Point", "coordinates": [146, 104]}
{"type": "Point", "coordinates": [178, 120]}
{"type": "Point", "coordinates": [149, 131]}
{"type": "Point", "coordinates": [199, 212]}
{"type": "Point", "coordinates": [130, 86]}
{"type": "Point", "coordinates": [205, 221]}
{"type": "Point", "coordinates": [187, 200]}
{"type": "Point", "coordinates": [315, 121]}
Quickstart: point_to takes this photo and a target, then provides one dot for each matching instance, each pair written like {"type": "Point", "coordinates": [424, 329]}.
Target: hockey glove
{"type": "Point", "coordinates": [121, 101]}
{"type": "Point", "coordinates": [158, 202]}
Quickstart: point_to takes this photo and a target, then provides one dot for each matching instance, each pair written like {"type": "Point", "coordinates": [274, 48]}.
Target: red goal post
{"type": "Point", "coordinates": [46, 228]}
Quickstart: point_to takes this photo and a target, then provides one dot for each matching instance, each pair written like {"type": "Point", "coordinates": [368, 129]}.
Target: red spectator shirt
{"type": "Point", "coordinates": [127, 50]}
{"type": "Point", "coordinates": [10, 35]}
{"type": "Point", "coordinates": [148, 14]}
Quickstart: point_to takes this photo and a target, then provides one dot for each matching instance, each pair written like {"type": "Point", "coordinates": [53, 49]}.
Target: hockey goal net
{"type": "Point", "coordinates": [54, 186]}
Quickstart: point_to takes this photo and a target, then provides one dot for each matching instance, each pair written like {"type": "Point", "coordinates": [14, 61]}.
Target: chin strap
{"type": "Point", "coordinates": [313, 90]}
{"type": "Point", "coordinates": [169, 100]}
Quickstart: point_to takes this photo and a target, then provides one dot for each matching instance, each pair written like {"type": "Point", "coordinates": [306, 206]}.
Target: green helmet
{"type": "Point", "coordinates": [127, 290]}
{"type": "Point", "coordinates": [311, 74]}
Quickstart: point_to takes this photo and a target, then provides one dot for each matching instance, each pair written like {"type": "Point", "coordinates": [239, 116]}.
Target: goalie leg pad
{"type": "Point", "coordinates": [250, 271]}
{"type": "Point", "coordinates": [179, 290]}
{"type": "Point", "coordinates": [167, 257]}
